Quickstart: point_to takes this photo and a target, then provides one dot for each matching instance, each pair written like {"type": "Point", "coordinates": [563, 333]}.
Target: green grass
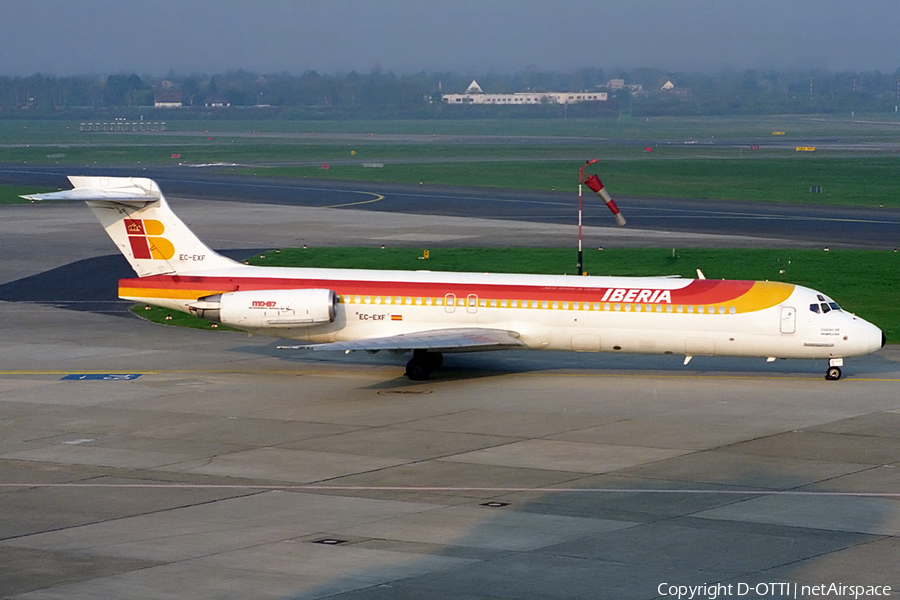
{"type": "Point", "coordinates": [165, 316]}
{"type": "Point", "coordinates": [9, 194]}
{"type": "Point", "coordinates": [527, 154]}
{"type": "Point", "coordinates": [880, 126]}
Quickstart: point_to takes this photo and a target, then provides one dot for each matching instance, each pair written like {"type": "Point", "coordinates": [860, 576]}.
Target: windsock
{"type": "Point", "coordinates": [596, 186]}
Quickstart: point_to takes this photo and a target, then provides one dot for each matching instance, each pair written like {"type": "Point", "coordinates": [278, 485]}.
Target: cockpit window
{"type": "Point", "coordinates": [814, 308]}
{"type": "Point", "coordinates": [834, 306]}
{"type": "Point", "coordinates": [825, 308]}
{"type": "Point", "coordinates": [820, 297]}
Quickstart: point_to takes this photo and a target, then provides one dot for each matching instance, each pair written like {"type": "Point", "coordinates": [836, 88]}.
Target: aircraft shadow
{"type": "Point", "coordinates": [89, 285]}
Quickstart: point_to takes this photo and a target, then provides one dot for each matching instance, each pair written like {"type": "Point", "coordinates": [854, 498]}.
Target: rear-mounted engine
{"type": "Point", "coordinates": [268, 308]}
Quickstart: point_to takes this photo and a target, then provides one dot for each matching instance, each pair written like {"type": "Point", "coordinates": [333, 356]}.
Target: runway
{"type": "Point", "coordinates": [141, 461]}
{"type": "Point", "coordinates": [802, 225]}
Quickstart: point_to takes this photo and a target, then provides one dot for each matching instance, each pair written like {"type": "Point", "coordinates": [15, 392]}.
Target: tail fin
{"type": "Point", "coordinates": [137, 218]}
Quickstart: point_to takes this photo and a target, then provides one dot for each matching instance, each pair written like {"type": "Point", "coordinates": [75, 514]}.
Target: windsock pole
{"type": "Point", "coordinates": [580, 263]}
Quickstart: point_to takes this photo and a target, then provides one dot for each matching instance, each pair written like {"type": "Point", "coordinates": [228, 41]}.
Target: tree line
{"type": "Point", "coordinates": [377, 94]}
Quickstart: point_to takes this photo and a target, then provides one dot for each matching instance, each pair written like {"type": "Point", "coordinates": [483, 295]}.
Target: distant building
{"type": "Point", "coordinates": [670, 88]}
{"type": "Point", "coordinates": [619, 84]}
{"type": "Point", "coordinates": [475, 95]}
{"type": "Point", "coordinates": [216, 101]}
{"type": "Point", "coordinates": [167, 98]}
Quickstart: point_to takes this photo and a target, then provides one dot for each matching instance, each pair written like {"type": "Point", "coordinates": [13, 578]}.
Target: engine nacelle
{"type": "Point", "coordinates": [268, 308]}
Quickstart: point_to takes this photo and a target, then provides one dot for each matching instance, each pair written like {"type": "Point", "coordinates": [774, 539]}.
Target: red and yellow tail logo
{"type": "Point", "coordinates": [143, 234]}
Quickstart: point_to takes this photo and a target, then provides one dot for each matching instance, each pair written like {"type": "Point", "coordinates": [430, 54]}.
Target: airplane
{"type": "Point", "coordinates": [432, 313]}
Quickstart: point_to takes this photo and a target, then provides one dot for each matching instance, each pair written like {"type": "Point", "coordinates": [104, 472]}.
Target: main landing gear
{"type": "Point", "coordinates": [834, 369]}
{"type": "Point", "coordinates": [422, 363]}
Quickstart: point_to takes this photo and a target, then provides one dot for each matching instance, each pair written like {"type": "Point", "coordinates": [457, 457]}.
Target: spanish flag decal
{"type": "Point", "coordinates": [396, 317]}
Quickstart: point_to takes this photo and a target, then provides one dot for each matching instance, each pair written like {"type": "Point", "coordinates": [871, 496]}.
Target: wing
{"type": "Point", "coordinates": [435, 340]}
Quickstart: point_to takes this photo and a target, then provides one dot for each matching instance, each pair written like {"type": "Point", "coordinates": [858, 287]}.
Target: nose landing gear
{"type": "Point", "coordinates": [834, 369]}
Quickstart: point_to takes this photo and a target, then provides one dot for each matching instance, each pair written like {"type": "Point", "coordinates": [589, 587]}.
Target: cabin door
{"type": "Point", "coordinates": [788, 319]}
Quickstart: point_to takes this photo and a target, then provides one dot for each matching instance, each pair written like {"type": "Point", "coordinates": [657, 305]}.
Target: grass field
{"type": "Point", "coordinates": [539, 154]}
{"type": "Point", "coordinates": [536, 154]}
{"type": "Point", "coordinates": [836, 273]}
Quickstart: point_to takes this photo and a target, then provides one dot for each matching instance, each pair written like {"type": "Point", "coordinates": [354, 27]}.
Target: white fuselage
{"type": "Point", "coordinates": [597, 314]}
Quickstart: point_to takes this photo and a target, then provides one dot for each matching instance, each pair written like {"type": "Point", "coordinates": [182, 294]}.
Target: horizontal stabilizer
{"type": "Point", "coordinates": [136, 191]}
{"type": "Point", "coordinates": [87, 195]}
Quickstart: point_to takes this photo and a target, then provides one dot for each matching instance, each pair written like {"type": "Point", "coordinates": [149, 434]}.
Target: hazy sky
{"type": "Point", "coordinates": [67, 37]}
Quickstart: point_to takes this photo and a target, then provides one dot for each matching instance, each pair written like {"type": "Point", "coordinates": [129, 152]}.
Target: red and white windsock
{"type": "Point", "coordinates": [596, 186]}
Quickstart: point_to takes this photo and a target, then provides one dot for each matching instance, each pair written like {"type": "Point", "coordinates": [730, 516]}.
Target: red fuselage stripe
{"type": "Point", "coordinates": [704, 291]}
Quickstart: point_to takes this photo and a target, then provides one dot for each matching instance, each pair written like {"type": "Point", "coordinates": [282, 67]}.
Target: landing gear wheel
{"type": "Point", "coordinates": [434, 360]}
{"type": "Point", "coordinates": [833, 373]}
{"type": "Point", "coordinates": [422, 363]}
{"type": "Point", "coordinates": [417, 369]}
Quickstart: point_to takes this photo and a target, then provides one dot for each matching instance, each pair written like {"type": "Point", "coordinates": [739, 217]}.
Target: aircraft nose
{"type": "Point", "coordinates": [874, 337]}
